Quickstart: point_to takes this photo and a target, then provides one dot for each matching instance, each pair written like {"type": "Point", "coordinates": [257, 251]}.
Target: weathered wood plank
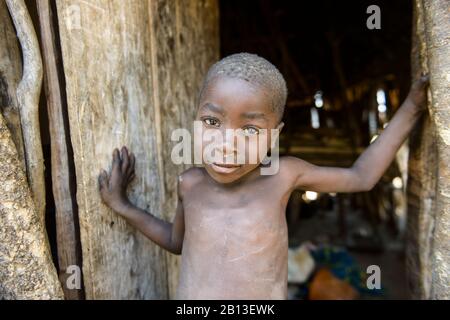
{"type": "Point", "coordinates": [437, 31]}
{"type": "Point", "coordinates": [66, 215]}
{"type": "Point", "coordinates": [107, 65]}
{"type": "Point", "coordinates": [422, 175]}
{"type": "Point", "coordinates": [429, 187]}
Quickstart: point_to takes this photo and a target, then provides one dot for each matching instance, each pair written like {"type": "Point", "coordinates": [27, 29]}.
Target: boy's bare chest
{"type": "Point", "coordinates": [235, 245]}
{"type": "Point", "coordinates": [234, 223]}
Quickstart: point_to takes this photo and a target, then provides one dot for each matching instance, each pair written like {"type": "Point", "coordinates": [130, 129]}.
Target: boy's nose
{"type": "Point", "coordinates": [228, 147]}
{"type": "Point", "coordinates": [229, 153]}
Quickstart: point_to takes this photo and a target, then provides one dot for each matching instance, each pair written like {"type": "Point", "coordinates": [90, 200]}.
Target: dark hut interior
{"type": "Point", "coordinates": [345, 82]}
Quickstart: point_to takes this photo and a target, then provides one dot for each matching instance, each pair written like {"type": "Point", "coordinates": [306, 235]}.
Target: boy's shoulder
{"type": "Point", "coordinates": [290, 166]}
{"type": "Point", "coordinates": [189, 178]}
{"type": "Point", "coordinates": [286, 162]}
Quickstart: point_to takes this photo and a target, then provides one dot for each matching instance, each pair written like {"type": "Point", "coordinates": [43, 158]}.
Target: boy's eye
{"type": "Point", "coordinates": [250, 130]}
{"type": "Point", "coordinates": [212, 122]}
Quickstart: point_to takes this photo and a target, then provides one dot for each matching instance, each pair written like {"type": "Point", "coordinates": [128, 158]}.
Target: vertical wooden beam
{"type": "Point", "coordinates": [429, 179]}
{"type": "Point", "coordinates": [422, 175]}
{"type": "Point", "coordinates": [437, 36]}
{"type": "Point", "coordinates": [62, 171]}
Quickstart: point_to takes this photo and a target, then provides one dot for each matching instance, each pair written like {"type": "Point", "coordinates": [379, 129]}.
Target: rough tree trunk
{"type": "Point", "coordinates": [132, 72]}
{"type": "Point", "coordinates": [422, 176]}
{"type": "Point", "coordinates": [437, 31]}
{"type": "Point", "coordinates": [10, 73]}
{"type": "Point", "coordinates": [26, 267]}
{"type": "Point", "coordinates": [428, 248]}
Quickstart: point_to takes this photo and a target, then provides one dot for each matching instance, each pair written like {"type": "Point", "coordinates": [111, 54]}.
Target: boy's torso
{"type": "Point", "coordinates": [235, 243]}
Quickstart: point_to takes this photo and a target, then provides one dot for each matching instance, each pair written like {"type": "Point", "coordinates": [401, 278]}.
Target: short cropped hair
{"type": "Point", "coordinates": [254, 69]}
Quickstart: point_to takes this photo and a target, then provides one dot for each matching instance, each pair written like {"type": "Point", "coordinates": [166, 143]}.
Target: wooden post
{"type": "Point", "coordinates": [62, 171]}
{"type": "Point", "coordinates": [422, 176]}
{"type": "Point", "coordinates": [437, 36]}
{"type": "Point", "coordinates": [28, 92]}
{"type": "Point", "coordinates": [429, 175]}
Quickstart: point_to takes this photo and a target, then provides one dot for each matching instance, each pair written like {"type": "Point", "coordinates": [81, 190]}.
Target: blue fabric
{"type": "Point", "coordinates": [344, 266]}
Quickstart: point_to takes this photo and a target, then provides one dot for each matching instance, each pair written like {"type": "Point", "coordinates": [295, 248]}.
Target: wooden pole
{"type": "Point", "coordinates": [62, 173]}
{"type": "Point", "coordinates": [28, 92]}
{"type": "Point", "coordinates": [437, 36]}
{"type": "Point", "coordinates": [422, 174]}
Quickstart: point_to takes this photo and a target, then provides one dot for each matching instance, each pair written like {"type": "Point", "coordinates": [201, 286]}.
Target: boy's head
{"type": "Point", "coordinates": [257, 72]}
{"type": "Point", "coordinates": [242, 92]}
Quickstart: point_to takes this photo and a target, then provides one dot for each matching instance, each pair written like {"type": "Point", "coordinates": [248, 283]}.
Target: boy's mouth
{"type": "Point", "coordinates": [224, 168]}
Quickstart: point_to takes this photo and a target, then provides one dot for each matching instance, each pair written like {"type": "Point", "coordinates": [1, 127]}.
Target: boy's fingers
{"type": "Point", "coordinates": [132, 163]}
{"type": "Point", "coordinates": [125, 159]}
{"type": "Point", "coordinates": [132, 176]}
{"type": "Point", "coordinates": [103, 180]}
{"type": "Point", "coordinates": [116, 161]}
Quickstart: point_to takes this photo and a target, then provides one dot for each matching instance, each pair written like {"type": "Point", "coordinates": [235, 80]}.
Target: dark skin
{"type": "Point", "coordinates": [230, 224]}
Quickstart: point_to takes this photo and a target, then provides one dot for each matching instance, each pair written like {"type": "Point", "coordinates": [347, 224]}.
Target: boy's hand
{"type": "Point", "coordinates": [418, 93]}
{"type": "Point", "coordinates": [113, 188]}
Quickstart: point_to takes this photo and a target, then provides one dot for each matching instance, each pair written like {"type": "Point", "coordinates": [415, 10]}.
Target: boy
{"type": "Point", "coordinates": [230, 224]}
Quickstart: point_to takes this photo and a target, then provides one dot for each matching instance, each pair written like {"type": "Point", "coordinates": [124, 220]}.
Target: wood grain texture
{"type": "Point", "coordinates": [65, 213]}
{"type": "Point", "coordinates": [422, 175]}
{"type": "Point", "coordinates": [428, 245]}
{"type": "Point", "coordinates": [128, 85]}
{"type": "Point", "coordinates": [437, 35]}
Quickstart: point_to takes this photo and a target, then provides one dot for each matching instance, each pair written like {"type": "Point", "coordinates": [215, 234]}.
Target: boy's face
{"type": "Point", "coordinates": [235, 104]}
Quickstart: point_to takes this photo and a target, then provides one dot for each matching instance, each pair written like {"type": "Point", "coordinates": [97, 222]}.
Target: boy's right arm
{"type": "Point", "coordinates": [113, 192]}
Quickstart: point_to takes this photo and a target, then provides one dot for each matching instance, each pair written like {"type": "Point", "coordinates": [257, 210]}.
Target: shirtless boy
{"type": "Point", "coordinates": [230, 225]}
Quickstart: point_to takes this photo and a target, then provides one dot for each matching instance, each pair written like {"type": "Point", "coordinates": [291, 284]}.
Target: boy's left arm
{"type": "Point", "coordinates": [373, 162]}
